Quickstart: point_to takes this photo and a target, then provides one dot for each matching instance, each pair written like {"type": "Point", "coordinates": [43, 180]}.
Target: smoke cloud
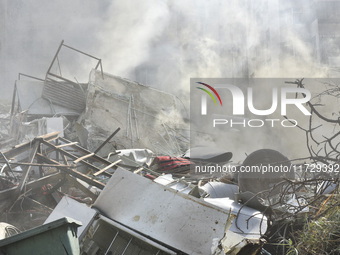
{"type": "Point", "coordinates": [160, 43]}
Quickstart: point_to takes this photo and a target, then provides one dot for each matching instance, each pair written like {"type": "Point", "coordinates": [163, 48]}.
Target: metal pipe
{"type": "Point", "coordinates": [127, 246]}
{"type": "Point", "coordinates": [107, 140]}
{"type": "Point", "coordinates": [136, 120]}
{"type": "Point", "coordinates": [108, 249]}
{"type": "Point", "coordinates": [29, 76]}
{"type": "Point", "coordinates": [59, 77]}
{"type": "Point", "coordinates": [55, 56]}
{"type": "Point", "coordinates": [80, 52]}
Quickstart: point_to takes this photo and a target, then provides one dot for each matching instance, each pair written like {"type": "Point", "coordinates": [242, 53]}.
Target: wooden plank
{"type": "Point", "coordinates": [94, 157]}
{"type": "Point", "coordinates": [49, 136]}
{"type": "Point", "coordinates": [18, 149]}
{"type": "Point", "coordinates": [138, 170]}
{"type": "Point", "coordinates": [65, 145]}
{"type": "Point", "coordinates": [73, 172]}
{"type": "Point", "coordinates": [108, 167]}
{"type": "Point", "coordinates": [82, 158]}
{"type": "Point", "coordinates": [70, 155]}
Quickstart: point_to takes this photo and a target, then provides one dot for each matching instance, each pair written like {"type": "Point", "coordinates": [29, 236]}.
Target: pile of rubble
{"type": "Point", "coordinates": [124, 199]}
{"type": "Point", "coordinates": [74, 183]}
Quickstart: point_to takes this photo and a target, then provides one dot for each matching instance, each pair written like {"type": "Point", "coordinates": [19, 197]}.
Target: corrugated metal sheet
{"type": "Point", "coordinates": [29, 97]}
{"type": "Point", "coordinates": [65, 94]}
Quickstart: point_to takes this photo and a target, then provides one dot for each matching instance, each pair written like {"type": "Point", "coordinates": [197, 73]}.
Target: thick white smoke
{"type": "Point", "coordinates": [159, 43]}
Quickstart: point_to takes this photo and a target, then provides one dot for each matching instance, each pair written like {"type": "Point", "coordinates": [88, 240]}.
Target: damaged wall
{"type": "Point", "coordinates": [148, 118]}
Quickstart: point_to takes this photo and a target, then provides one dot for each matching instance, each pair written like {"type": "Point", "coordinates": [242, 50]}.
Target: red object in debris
{"type": "Point", "coordinates": [149, 176]}
{"type": "Point", "coordinates": [172, 164]}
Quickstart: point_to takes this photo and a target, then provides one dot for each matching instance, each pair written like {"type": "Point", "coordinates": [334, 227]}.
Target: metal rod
{"type": "Point", "coordinates": [107, 140]}
{"type": "Point", "coordinates": [101, 68]}
{"type": "Point", "coordinates": [35, 164]}
{"type": "Point", "coordinates": [29, 76]}
{"type": "Point", "coordinates": [128, 118]}
{"type": "Point", "coordinates": [36, 202]}
{"type": "Point", "coordinates": [41, 170]}
{"type": "Point", "coordinates": [59, 66]}
{"type": "Point", "coordinates": [134, 113]}
{"type": "Point", "coordinates": [80, 51]}
{"type": "Point", "coordinates": [54, 58]}
{"type": "Point", "coordinates": [74, 173]}
{"type": "Point", "coordinates": [127, 246]}
{"type": "Point", "coordinates": [13, 99]}
{"type": "Point", "coordinates": [82, 187]}
{"type": "Point", "coordinates": [61, 78]}
{"type": "Point", "coordinates": [97, 64]}
{"type": "Point", "coordinates": [108, 249]}
{"type": "Point", "coordinates": [81, 149]}
{"type": "Point", "coordinates": [70, 156]}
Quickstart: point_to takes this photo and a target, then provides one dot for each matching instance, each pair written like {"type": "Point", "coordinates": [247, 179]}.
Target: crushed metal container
{"type": "Point", "coordinates": [55, 238]}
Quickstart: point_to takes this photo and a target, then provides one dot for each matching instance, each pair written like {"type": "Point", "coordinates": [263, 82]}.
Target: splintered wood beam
{"type": "Point", "coordinates": [73, 172]}
{"type": "Point", "coordinates": [108, 167]}
{"type": "Point", "coordinates": [82, 158]}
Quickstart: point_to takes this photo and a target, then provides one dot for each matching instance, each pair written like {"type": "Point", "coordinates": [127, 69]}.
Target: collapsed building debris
{"type": "Point", "coordinates": [157, 216]}
{"type": "Point", "coordinates": [149, 118]}
{"type": "Point", "coordinates": [49, 161]}
{"type": "Point", "coordinates": [73, 154]}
